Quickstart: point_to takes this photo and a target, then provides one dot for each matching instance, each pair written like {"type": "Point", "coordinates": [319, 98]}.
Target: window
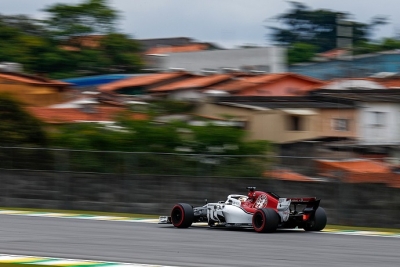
{"type": "Point", "coordinates": [377, 118]}
{"type": "Point", "coordinates": [295, 123]}
{"type": "Point", "coordinates": [340, 124]}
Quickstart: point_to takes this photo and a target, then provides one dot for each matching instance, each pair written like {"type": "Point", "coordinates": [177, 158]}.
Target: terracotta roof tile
{"type": "Point", "coordinates": [144, 80]}
{"type": "Point", "coordinates": [288, 175]}
{"type": "Point", "coordinates": [334, 53]}
{"type": "Point", "coordinates": [176, 49]}
{"type": "Point", "coordinates": [358, 166]}
{"type": "Point", "coordinates": [69, 115]}
{"type": "Point", "coordinates": [31, 79]}
{"type": "Point", "coordinates": [248, 82]}
{"type": "Point", "coordinates": [389, 82]}
{"type": "Point", "coordinates": [195, 82]}
{"type": "Point", "coordinates": [358, 171]}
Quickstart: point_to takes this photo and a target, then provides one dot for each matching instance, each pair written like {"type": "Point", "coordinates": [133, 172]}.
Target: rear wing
{"type": "Point", "coordinates": [302, 200]}
{"type": "Point", "coordinates": [312, 203]}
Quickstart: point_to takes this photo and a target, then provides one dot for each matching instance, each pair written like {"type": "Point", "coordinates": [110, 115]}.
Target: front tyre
{"type": "Point", "coordinates": [265, 220]}
{"type": "Point", "coordinates": [182, 215]}
{"type": "Point", "coordinates": [318, 222]}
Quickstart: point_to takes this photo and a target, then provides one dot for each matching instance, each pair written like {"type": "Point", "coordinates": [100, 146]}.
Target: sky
{"type": "Point", "coordinates": [227, 23]}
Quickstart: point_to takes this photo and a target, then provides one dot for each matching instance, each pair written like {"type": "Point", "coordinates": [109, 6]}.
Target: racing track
{"type": "Point", "coordinates": [197, 246]}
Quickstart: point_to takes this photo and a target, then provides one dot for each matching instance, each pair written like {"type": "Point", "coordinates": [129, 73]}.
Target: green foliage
{"type": "Point", "coordinates": [373, 47]}
{"type": "Point", "coordinates": [18, 127]}
{"type": "Point", "coordinates": [39, 45]}
{"type": "Point", "coordinates": [88, 17]}
{"type": "Point", "coordinates": [121, 52]}
{"type": "Point", "coordinates": [216, 150]}
{"type": "Point", "coordinates": [318, 27]}
{"type": "Point", "coordinates": [166, 106]}
{"type": "Point", "coordinates": [301, 52]}
{"type": "Point", "coordinates": [216, 136]}
{"type": "Point", "coordinates": [24, 24]}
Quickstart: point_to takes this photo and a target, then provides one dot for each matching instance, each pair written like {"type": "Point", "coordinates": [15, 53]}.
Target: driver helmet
{"type": "Point", "coordinates": [242, 198]}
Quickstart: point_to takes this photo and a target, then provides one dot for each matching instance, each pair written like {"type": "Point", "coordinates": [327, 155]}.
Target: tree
{"type": "Point", "coordinates": [75, 26]}
{"type": "Point", "coordinates": [301, 52]}
{"type": "Point", "coordinates": [54, 46]}
{"type": "Point", "coordinates": [88, 17]}
{"type": "Point", "coordinates": [18, 127]}
{"type": "Point", "coordinates": [122, 52]}
{"type": "Point", "coordinates": [24, 24]}
{"type": "Point", "coordinates": [26, 41]}
{"type": "Point", "coordinates": [317, 27]}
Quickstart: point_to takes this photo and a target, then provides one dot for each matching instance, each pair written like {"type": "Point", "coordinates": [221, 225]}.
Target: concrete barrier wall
{"type": "Point", "coordinates": [351, 204]}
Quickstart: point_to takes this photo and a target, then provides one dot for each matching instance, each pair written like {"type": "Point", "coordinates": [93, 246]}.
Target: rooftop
{"type": "Point", "coordinates": [194, 82]}
{"type": "Point", "coordinates": [373, 95]}
{"type": "Point", "coordinates": [145, 80]}
{"type": "Point", "coordinates": [273, 102]}
{"type": "Point", "coordinates": [31, 79]}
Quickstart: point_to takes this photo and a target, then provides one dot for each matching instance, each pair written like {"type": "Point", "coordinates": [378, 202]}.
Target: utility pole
{"type": "Point", "coordinates": [344, 36]}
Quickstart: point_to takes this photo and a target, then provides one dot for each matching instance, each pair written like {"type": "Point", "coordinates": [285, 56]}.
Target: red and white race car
{"type": "Point", "coordinates": [263, 211]}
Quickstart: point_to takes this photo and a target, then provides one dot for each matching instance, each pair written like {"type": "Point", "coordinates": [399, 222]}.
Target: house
{"type": "Point", "coordinates": [350, 66]}
{"type": "Point", "coordinates": [155, 49]}
{"type": "Point", "coordinates": [286, 119]}
{"type": "Point", "coordinates": [171, 42]}
{"type": "Point", "coordinates": [75, 43]}
{"type": "Point", "coordinates": [176, 49]}
{"type": "Point", "coordinates": [194, 86]}
{"type": "Point", "coordinates": [190, 88]}
{"type": "Point", "coordinates": [288, 175]}
{"type": "Point", "coordinates": [92, 82]}
{"type": "Point", "coordinates": [378, 115]}
{"type": "Point", "coordinates": [358, 171]}
{"type": "Point", "coordinates": [260, 59]}
{"type": "Point", "coordinates": [390, 80]}
{"type": "Point", "coordinates": [138, 85]}
{"type": "Point", "coordinates": [34, 90]}
{"type": "Point", "coordinates": [277, 84]}
{"type": "Point", "coordinates": [353, 83]}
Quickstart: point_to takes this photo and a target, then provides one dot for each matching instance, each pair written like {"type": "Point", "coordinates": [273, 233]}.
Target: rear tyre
{"type": "Point", "coordinates": [182, 215]}
{"type": "Point", "coordinates": [265, 220]}
{"type": "Point", "coordinates": [317, 223]}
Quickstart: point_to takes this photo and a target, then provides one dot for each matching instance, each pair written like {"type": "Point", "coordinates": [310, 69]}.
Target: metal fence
{"type": "Point", "coordinates": [153, 182]}
{"type": "Point", "coordinates": [83, 161]}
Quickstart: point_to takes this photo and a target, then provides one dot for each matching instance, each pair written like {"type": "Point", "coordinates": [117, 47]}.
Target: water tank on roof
{"type": "Point", "coordinates": [10, 67]}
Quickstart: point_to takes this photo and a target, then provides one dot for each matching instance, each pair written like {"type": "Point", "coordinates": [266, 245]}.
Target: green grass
{"type": "Point", "coordinates": [99, 213]}
{"type": "Point", "coordinates": [21, 265]}
{"type": "Point", "coordinates": [360, 228]}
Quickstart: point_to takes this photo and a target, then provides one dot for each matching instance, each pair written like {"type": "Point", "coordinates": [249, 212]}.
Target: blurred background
{"type": "Point", "coordinates": [131, 107]}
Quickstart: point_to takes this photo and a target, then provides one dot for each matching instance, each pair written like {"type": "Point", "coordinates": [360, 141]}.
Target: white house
{"type": "Point", "coordinates": [263, 59]}
{"type": "Point", "coordinates": [379, 123]}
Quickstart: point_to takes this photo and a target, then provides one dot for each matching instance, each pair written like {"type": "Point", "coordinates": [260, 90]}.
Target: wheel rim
{"type": "Point", "coordinates": [258, 220]}
{"type": "Point", "coordinates": [177, 216]}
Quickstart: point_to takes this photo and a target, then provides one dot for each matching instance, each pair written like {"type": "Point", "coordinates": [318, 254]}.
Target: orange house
{"type": "Point", "coordinates": [279, 84]}
{"type": "Point", "coordinates": [359, 171]}
{"type": "Point", "coordinates": [34, 90]}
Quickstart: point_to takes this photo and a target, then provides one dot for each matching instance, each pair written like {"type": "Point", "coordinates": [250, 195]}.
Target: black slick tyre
{"type": "Point", "coordinates": [182, 215]}
{"type": "Point", "coordinates": [318, 222]}
{"type": "Point", "coordinates": [265, 220]}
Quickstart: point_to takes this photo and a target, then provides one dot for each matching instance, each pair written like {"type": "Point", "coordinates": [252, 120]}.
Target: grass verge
{"type": "Point", "coordinates": [77, 212]}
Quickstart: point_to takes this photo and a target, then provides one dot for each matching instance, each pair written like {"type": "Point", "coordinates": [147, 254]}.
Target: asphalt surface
{"type": "Point", "coordinates": [197, 246]}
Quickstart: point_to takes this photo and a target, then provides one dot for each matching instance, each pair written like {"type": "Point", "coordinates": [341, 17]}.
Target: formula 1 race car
{"type": "Point", "coordinates": [263, 211]}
